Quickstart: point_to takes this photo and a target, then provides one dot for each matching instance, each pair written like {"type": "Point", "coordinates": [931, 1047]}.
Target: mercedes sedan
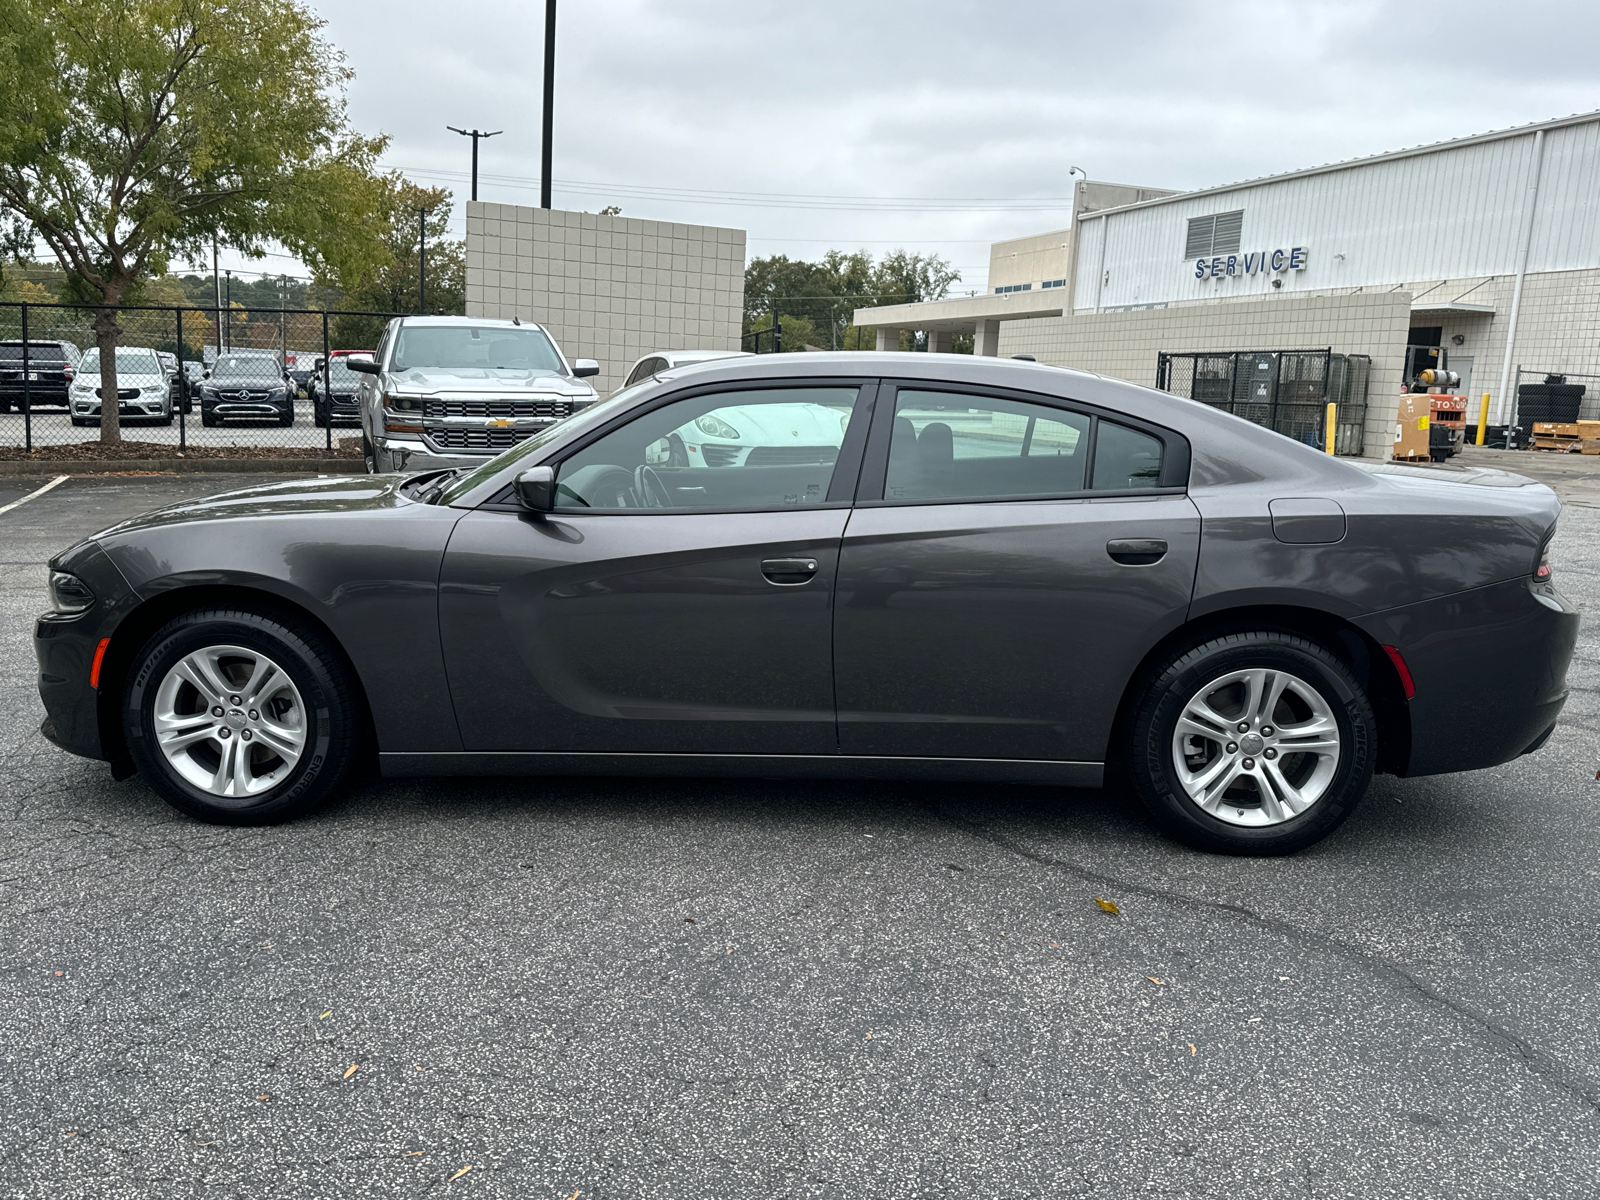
{"type": "Point", "coordinates": [1006, 572]}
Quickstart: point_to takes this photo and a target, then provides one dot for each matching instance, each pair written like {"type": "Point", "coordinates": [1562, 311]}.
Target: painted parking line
{"type": "Point", "coordinates": [59, 479]}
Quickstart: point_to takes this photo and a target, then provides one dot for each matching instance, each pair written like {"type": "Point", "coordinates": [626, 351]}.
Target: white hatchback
{"type": "Point", "coordinates": [756, 435]}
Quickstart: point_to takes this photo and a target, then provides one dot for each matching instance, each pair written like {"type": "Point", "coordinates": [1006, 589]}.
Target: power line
{"type": "Point", "coordinates": [772, 199]}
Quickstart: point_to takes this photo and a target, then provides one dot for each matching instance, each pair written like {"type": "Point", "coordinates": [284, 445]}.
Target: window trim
{"type": "Point", "coordinates": [874, 472]}
{"type": "Point", "coordinates": [841, 486]}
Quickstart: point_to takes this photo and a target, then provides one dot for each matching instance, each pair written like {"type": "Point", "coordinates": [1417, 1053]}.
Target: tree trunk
{"type": "Point", "coordinates": [106, 334]}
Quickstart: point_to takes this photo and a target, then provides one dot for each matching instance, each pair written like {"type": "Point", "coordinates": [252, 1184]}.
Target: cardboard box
{"type": "Point", "coordinates": [1411, 429]}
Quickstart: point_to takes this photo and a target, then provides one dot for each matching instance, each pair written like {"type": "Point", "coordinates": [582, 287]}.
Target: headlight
{"type": "Point", "coordinates": [402, 403]}
{"type": "Point", "coordinates": [844, 422]}
{"type": "Point", "coordinates": [714, 426]}
{"type": "Point", "coordinates": [68, 593]}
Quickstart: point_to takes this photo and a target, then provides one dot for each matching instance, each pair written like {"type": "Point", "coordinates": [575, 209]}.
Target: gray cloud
{"type": "Point", "coordinates": [994, 99]}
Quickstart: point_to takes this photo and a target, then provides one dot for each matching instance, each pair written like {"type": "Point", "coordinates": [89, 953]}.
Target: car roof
{"type": "Point", "coordinates": [499, 322]}
{"type": "Point", "coordinates": [680, 358]}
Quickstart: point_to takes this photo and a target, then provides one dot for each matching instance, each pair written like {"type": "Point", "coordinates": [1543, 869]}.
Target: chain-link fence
{"type": "Point", "coordinates": [252, 383]}
{"type": "Point", "coordinates": [1285, 390]}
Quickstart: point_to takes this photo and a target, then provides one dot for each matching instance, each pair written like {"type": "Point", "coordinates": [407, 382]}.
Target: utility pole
{"type": "Point", "coordinates": [549, 99]}
{"type": "Point", "coordinates": [422, 260]}
{"type": "Point", "coordinates": [216, 283]}
{"type": "Point", "coordinates": [475, 135]}
{"type": "Point", "coordinates": [228, 313]}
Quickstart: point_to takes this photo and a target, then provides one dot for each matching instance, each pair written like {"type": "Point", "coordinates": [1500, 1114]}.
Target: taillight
{"type": "Point", "coordinates": [68, 372]}
{"type": "Point", "coordinates": [1542, 572]}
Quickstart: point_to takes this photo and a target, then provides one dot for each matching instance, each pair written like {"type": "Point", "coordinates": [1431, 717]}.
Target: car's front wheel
{"type": "Point", "coordinates": [1252, 743]}
{"type": "Point", "coordinates": [239, 717]}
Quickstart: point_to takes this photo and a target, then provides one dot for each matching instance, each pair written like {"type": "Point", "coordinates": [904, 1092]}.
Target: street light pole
{"type": "Point", "coordinates": [474, 134]}
{"type": "Point", "coordinates": [549, 99]}
{"type": "Point", "coordinates": [422, 260]}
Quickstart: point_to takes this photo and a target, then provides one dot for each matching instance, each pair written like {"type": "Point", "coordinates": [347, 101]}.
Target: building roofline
{"type": "Point", "coordinates": [1345, 165]}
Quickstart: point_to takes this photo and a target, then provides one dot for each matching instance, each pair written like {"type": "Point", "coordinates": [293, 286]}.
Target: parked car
{"type": "Point", "coordinates": [246, 385]}
{"type": "Point", "coordinates": [300, 369]}
{"type": "Point", "coordinates": [665, 360]}
{"type": "Point", "coordinates": [177, 385]}
{"type": "Point", "coordinates": [194, 374]}
{"type": "Point", "coordinates": [51, 366]}
{"type": "Point", "coordinates": [144, 390]}
{"type": "Point", "coordinates": [1009, 572]}
{"type": "Point", "coordinates": [339, 405]}
{"type": "Point", "coordinates": [445, 391]}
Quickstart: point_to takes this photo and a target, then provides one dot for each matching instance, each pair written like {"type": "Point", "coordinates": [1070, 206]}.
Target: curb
{"type": "Point", "coordinates": [185, 466]}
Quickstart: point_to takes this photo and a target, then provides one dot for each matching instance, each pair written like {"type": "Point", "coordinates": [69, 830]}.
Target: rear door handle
{"type": "Point", "coordinates": [1136, 552]}
{"type": "Point", "coordinates": [786, 572]}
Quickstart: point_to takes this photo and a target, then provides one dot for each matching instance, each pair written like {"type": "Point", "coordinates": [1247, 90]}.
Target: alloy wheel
{"type": "Point", "coordinates": [1256, 747]}
{"type": "Point", "coordinates": [230, 721]}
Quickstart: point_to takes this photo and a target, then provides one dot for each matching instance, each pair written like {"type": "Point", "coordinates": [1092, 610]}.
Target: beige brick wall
{"type": "Point", "coordinates": [1124, 345]}
{"type": "Point", "coordinates": [608, 288]}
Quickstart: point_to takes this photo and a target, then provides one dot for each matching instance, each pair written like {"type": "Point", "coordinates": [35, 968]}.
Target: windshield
{"type": "Point", "coordinates": [131, 359]}
{"type": "Point", "coordinates": [593, 415]}
{"type": "Point", "coordinates": [340, 374]}
{"type": "Point", "coordinates": [245, 366]}
{"type": "Point", "coordinates": [36, 353]}
{"type": "Point", "coordinates": [473, 347]}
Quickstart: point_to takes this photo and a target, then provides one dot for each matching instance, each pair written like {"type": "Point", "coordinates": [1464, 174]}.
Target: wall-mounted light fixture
{"type": "Point", "coordinates": [1458, 339]}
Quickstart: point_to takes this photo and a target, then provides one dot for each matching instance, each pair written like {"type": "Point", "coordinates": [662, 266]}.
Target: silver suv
{"type": "Point", "coordinates": [453, 391]}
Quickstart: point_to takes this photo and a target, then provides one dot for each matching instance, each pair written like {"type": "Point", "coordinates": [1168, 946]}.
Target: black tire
{"type": "Point", "coordinates": [327, 714]}
{"type": "Point", "coordinates": [319, 417]}
{"type": "Point", "coordinates": [368, 454]}
{"type": "Point", "coordinates": [286, 419]}
{"type": "Point", "coordinates": [1150, 754]}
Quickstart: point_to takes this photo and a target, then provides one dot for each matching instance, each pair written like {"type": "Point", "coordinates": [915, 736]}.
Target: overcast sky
{"type": "Point", "coordinates": [980, 101]}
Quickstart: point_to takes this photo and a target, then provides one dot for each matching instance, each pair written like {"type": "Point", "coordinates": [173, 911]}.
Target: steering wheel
{"type": "Point", "coordinates": [649, 489]}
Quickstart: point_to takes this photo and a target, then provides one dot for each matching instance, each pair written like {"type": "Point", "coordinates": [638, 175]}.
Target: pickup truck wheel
{"type": "Point", "coordinates": [367, 453]}
{"type": "Point", "coordinates": [1253, 743]}
{"type": "Point", "coordinates": [238, 717]}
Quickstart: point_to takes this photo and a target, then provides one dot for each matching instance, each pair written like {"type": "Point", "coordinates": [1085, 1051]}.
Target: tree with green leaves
{"type": "Point", "coordinates": [133, 132]}
{"type": "Point", "coordinates": [826, 294]}
{"type": "Point", "coordinates": [389, 284]}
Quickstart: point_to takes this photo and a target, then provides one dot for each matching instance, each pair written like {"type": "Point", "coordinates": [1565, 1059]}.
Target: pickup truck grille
{"type": "Point", "coordinates": [478, 439]}
{"type": "Point", "coordinates": [446, 407]}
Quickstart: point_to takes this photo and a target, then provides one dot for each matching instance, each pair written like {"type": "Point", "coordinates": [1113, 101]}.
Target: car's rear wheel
{"type": "Point", "coordinates": [239, 717]}
{"type": "Point", "coordinates": [1252, 743]}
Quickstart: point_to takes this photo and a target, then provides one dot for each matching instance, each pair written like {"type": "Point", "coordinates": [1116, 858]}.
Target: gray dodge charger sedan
{"type": "Point", "coordinates": [922, 567]}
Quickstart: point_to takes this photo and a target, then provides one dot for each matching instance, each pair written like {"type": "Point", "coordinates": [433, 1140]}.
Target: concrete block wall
{"type": "Point", "coordinates": [608, 288]}
{"type": "Point", "coordinates": [1558, 332]}
{"type": "Point", "coordinates": [1124, 345]}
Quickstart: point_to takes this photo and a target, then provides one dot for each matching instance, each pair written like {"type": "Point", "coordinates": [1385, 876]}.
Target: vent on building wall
{"type": "Point", "coordinates": [1214, 234]}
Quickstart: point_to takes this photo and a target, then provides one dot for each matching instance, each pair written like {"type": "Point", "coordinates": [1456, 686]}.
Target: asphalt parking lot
{"type": "Point", "coordinates": [637, 988]}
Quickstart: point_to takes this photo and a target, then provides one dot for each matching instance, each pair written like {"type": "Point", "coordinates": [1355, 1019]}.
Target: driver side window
{"type": "Point", "coordinates": [761, 448]}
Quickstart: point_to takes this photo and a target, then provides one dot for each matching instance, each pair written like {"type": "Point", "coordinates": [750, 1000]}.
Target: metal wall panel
{"type": "Point", "coordinates": [1453, 213]}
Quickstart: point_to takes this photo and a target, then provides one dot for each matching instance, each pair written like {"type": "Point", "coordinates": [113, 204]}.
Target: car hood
{"type": "Point", "coordinates": [475, 379]}
{"type": "Point", "coordinates": [124, 379]}
{"type": "Point", "coordinates": [290, 498]}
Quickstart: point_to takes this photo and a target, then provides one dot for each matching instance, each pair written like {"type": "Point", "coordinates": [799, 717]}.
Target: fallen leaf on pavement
{"type": "Point", "coordinates": [59, 974]}
{"type": "Point", "coordinates": [688, 920]}
{"type": "Point", "coordinates": [1153, 980]}
{"type": "Point", "coordinates": [1055, 945]}
{"type": "Point", "coordinates": [460, 1173]}
{"type": "Point", "coordinates": [74, 1133]}
{"type": "Point", "coordinates": [574, 1196]}
{"type": "Point", "coordinates": [412, 1153]}
{"type": "Point", "coordinates": [354, 1067]}
{"type": "Point", "coordinates": [1109, 906]}
{"type": "Point", "coordinates": [326, 1015]}
{"type": "Point", "coordinates": [1192, 1050]}
{"type": "Point", "coordinates": [267, 1097]}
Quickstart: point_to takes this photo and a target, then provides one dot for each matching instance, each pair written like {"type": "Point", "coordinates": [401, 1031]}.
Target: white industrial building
{"type": "Point", "coordinates": [1481, 254]}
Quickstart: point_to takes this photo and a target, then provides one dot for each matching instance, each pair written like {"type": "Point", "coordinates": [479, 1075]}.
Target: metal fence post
{"type": "Point", "coordinates": [27, 392]}
{"type": "Point", "coordinates": [777, 333]}
{"type": "Point", "coordinates": [327, 376]}
{"type": "Point", "coordinates": [183, 387]}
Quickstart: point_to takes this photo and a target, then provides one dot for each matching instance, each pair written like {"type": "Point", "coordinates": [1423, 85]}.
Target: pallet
{"type": "Point", "coordinates": [1568, 429]}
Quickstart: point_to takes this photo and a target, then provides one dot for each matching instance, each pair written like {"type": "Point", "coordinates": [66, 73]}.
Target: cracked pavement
{"type": "Point", "coordinates": [724, 988]}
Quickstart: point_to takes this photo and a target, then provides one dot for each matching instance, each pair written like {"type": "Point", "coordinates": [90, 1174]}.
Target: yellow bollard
{"type": "Point", "coordinates": [1483, 418]}
{"type": "Point", "coordinates": [1330, 436]}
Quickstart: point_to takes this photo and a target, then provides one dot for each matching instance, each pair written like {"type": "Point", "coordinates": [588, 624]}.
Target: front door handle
{"type": "Point", "coordinates": [1136, 552]}
{"type": "Point", "coordinates": [786, 572]}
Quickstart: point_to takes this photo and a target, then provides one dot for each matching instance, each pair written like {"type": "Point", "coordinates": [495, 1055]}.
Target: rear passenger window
{"type": "Point", "coordinates": [947, 446]}
{"type": "Point", "coordinates": [1125, 458]}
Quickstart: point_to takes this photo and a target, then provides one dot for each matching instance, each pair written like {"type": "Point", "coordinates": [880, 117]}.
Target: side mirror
{"type": "Point", "coordinates": [585, 367]}
{"type": "Point", "coordinates": [364, 365]}
{"type": "Point", "coordinates": [536, 489]}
